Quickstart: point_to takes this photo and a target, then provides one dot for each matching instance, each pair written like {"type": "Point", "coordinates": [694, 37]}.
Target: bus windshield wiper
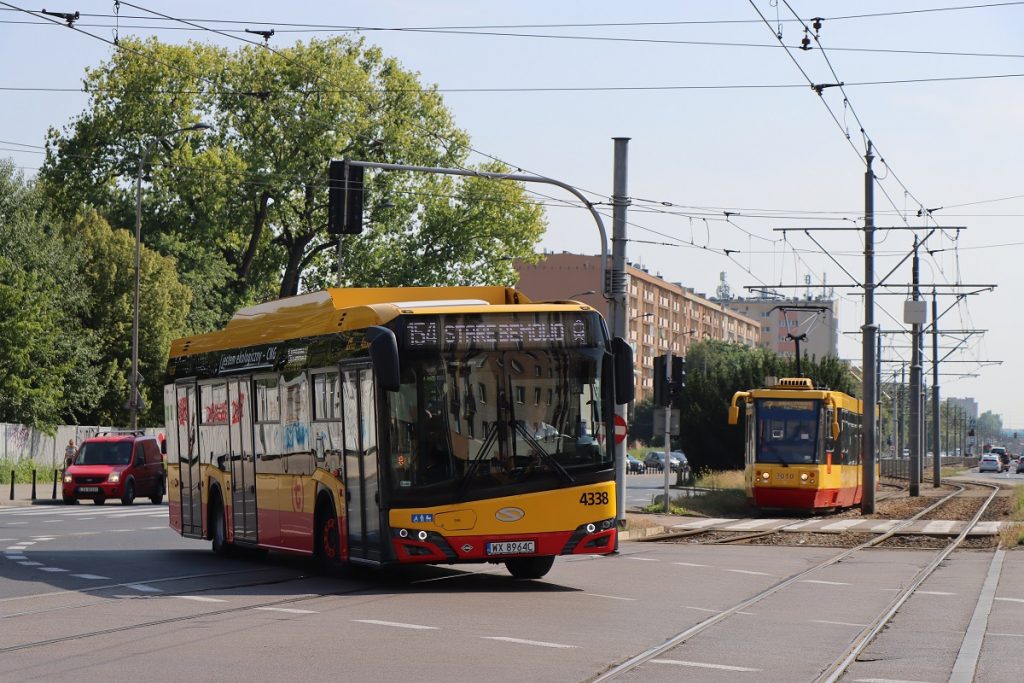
{"type": "Point", "coordinates": [489, 440]}
{"type": "Point", "coordinates": [544, 455]}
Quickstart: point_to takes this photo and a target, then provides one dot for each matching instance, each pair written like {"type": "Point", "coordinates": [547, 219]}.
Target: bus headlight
{"type": "Point", "coordinates": [403, 533]}
{"type": "Point", "coordinates": [765, 476]}
{"type": "Point", "coordinates": [803, 476]}
{"type": "Point", "coordinates": [422, 535]}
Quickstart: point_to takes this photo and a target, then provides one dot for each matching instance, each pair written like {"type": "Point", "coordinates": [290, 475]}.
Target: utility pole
{"type": "Point", "coordinates": [936, 457]}
{"type": "Point", "coordinates": [915, 390]}
{"type": "Point", "coordinates": [902, 411]}
{"type": "Point", "coordinates": [616, 289]}
{"type": "Point", "coordinates": [868, 366]}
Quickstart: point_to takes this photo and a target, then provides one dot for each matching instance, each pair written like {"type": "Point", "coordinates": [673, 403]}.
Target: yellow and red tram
{"type": "Point", "coordinates": [399, 425]}
{"type": "Point", "coordinates": [802, 446]}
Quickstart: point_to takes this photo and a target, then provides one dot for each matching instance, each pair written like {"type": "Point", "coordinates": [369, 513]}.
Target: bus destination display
{"type": "Point", "coordinates": [499, 331]}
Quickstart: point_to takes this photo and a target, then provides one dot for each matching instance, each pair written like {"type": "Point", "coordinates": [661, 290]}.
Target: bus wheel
{"type": "Point", "coordinates": [218, 530]}
{"type": "Point", "coordinates": [328, 539]}
{"type": "Point", "coordinates": [530, 567]}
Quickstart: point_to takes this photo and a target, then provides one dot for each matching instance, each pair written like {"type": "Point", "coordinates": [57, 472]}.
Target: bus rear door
{"type": "Point", "coordinates": [243, 461]}
{"type": "Point", "coordinates": [188, 462]}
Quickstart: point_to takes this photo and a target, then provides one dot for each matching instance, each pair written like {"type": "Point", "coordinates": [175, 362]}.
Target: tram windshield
{"type": "Point", "coordinates": [787, 431]}
{"type": "Point", "coordinates": [465, 423]}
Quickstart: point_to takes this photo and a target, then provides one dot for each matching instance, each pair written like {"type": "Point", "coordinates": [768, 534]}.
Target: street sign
{"type": "Point", "coordinates": [620, 429]}
{"type": "Point", "coordinates": [659, 421]}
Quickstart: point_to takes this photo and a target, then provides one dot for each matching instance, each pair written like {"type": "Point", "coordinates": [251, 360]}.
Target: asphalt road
{"type": "Point", "coordinates": [90, 593]}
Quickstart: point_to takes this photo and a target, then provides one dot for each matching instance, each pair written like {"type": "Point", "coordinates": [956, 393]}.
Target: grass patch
{"type": "Point", "coordinates": [1011, 534]}
{"type": "Point", "coordinates": [726, 479]}
{"type": "Point", "coordinates": [22, 471]}
{"type": "Point", "coordinates": [721, 503]}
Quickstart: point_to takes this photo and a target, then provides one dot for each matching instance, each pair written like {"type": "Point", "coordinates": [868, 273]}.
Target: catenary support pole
{"type": "Point", "coordinates": [616, 289]}
{"type": "Point", "coordinates": [667, 469]}
{"type": "Point", "coordinates": [936, 451]}
{"type": "Point", "coordinates": [869, 362]}
{"type": "Point", "coordinates": [915, 391]}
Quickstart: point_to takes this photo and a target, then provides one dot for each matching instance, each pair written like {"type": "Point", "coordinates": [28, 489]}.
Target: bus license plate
{"type": "Point", "coordinates": [88, 489]}
{"type": "Point", "coordinates": [510, 547]}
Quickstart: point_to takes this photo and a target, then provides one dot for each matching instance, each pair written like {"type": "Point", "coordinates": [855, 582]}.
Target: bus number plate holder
{"type": "Point", "coordinates": [511, 547]}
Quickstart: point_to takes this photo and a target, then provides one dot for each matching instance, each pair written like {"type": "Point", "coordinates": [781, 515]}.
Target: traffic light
{"type": "Point", "coordinates": [678, 380]}
{"type": "Point", "coordinates": [662, 391]}
{"type": "Point", "coordinates": [344, 198]}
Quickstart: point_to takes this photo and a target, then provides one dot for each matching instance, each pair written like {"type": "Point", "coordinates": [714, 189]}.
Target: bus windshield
{"type": "Point", "coordinates": [787, 431]}
{"type": "Point", "coordinates": [105, 453]}
{"type": "Point", "coordinates": [465, 422]}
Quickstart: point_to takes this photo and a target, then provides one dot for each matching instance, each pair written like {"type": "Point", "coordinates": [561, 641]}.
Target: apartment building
{"type": "Point", "coordinates": [660, 314]}
{"type": "Point", "coordinates": [782, 320]}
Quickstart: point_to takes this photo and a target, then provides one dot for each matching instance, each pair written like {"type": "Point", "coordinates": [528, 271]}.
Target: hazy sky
{"type": "Point", "coordinates": [728, 140]}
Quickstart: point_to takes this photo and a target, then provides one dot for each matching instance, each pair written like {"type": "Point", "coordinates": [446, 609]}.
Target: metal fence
{"type": "Point", "coordinates": [21, 442]}
{"type": "Point", "coordinates": [900, 467]}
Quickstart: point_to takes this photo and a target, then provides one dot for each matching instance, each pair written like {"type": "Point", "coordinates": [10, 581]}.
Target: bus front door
{"type": "Point", "coordinates": [243, 460]}
{"type": "Point", "coordinates": [361, 473]}
{"type": "Point", "coordinates": [188, 462]}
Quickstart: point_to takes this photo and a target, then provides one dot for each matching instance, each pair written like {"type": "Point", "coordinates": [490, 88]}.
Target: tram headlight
{"type": "Point", "coordinates": [803, 476]}
{"type": "Point", "coordinates": [765, 476]}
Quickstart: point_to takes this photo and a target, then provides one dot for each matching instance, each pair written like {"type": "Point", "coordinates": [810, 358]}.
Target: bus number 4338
{"type": "Point", "coordinates": [592, 498]}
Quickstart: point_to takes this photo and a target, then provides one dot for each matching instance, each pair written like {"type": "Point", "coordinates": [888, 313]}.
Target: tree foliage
{"type": "Point", "coordinates": [243, 207]}
{"type": "Point", "coordinates": [108, 274]}
{"type": "Point", "coordinates": [45, 359]}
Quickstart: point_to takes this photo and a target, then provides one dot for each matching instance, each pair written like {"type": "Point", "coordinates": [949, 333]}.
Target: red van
{"type": "Point", "coordinates": [116, 465]}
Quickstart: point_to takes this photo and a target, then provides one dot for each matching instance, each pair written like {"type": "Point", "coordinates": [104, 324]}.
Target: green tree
{"type": "Point", "coordinates": [989, 427]}
{"type": "Point", "coordinates": [46, 362]}
{"type": "Point", "coordinates": [108, 273]}
{"type": "Point", "coordinates": [243, 208]}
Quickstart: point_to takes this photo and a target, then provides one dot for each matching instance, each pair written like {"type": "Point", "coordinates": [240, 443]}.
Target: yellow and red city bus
{"type": "Point", "coordinates": [399, 425]}
{"type": "Point", "coordinates": [802, 446]}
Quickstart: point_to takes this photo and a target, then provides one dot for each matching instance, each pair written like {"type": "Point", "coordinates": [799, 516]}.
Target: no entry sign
{"type": "Point", "coordinates": [620, 429]}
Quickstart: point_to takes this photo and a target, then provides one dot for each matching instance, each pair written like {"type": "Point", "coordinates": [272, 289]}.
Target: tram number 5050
{"type": "Point", "coordinates": [592, 498]}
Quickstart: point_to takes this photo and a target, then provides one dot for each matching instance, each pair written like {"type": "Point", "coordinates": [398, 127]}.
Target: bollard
{"type": "Point", "coordinates": [12, 484]}
{"type": "Point", "coordinates": [33, 483]}
{"type": "Point", "coordinates": [54, 495]}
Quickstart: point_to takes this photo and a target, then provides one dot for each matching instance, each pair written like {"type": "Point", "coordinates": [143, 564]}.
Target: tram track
{"type": "Point", "coordinates": [836, 668]}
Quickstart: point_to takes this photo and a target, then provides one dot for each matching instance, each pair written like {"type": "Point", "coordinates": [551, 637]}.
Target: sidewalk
{"type": "Point", "coordinates": [23, 494]}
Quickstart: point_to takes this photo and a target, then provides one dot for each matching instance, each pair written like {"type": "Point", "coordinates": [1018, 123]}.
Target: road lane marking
{"type": "Point", "coordinates": [91, 577]}
{"type": "Point", "coordinates": [703, 665]}
{"type": "Point", "coordinates": [841, 525]}
{"type": "Point", "coordinates": [538, 643]}
{"type": "Point", "coordinates": [52, 569]}
{"type": "Point", "coordinates": [643, 559]}
{"type": "Point", "coordinates": [752, 525]}
{"type": "Point", "coordinates": [31, 564]}
{"type": "Point", "coordinates": [690, 564]}
{"type": "Point", "coordinates": [1006, 635]}
{"type": "Point", "coordinates": [396, 624]}
{"type": "Point", "coordinates": [43, 538]}
{"type": "Point", "coordinates": [142, 588]}
{"type": "Point", "coordinates": [748, 571]}
{"type": "Point", "coordinates": [293, 610]}
{"type": "Point", "coordinates": [198, 598]}
{"type": "Point", "coordinates": [934, 593]}
{"type": "Point", "coordinates": [837, 623]}
{"type": "Point", "coordinates": [1010, 599]}
{"type": "Point", "coordinates": [610, 597]}
{"type": "Point", "coordinates": [826, 583]}
{"type": "Point", "coordinates": [458, 575]}
{"type": "Point", "coordinates": [714, 611]}
{"type": "Point", "coordinates": [940, 527]}
{"type": "Point", "coordinates": [886, 680]}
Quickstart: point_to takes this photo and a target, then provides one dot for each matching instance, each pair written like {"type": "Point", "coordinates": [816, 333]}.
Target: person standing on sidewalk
{"type": "Point", "coordinates": [69, 454]}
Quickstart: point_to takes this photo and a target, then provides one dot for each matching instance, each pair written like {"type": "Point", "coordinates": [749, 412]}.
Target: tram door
{"type": "Point", "coordinates": [243, 460]}
{"type": "Point", "coordinates": [361, 474]}
{"type": "Point", "coordinates": [189, 481]}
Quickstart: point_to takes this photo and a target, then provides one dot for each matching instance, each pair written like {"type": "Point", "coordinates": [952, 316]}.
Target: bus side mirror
{"type": "Point", "coordinates": [384, 354]}
{"type": "Point", "coordinates": [734, 414]}
{"type": "Point", "coordinates": [835, 429]}
{"type": "Point", "coordinates": [622, 353]}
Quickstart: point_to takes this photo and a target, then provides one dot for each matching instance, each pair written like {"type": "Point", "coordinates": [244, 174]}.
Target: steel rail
{"type": "Point", "coordinates": [864, 638]}
{"type": "Point", "coordinates": [649, 654]}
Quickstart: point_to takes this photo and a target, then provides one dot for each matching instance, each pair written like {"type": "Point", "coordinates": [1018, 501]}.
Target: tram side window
{"type": "Point", "coordinates": [268, 400]}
